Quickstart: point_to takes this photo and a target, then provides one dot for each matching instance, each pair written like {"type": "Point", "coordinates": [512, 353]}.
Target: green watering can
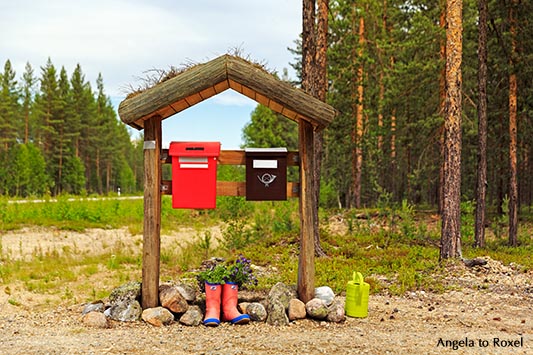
{"type": "Point", "coordinates": [357, 297]}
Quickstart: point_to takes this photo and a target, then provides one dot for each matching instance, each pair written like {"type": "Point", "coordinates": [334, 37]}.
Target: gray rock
{"type": "Point", "coordinates": [96, 306]}
{"type": "Point", "coordinates": [296, 309]}
{"type": "Point", "coordinates": [281, 293]}
{"type": "Point", "coordinates": [336, 311]}
{"type": "Point", "coordinates": [325, 293]}
{"type": "Point", "coordinates": [192, 317]}
{"type": "Point", "coordinates": [170, 297]}
{"type": "Point", "coordinates": [95, 319]}
{"type": "Point", "coordinates": [187, 291]}
{"type": "Point", "coordinates": [243, 307]}
{"type": "Point", "coordinates": [157, 316]}
{"type": "Point", "coordinates": [277, 314]}
{"type": "Point", "coordinates": [125, 312]}
{"type": "Point", "coordinates": [316, 308]}
{"type": "Point", "coordinates": [256, 311]}
{"type": "Point", "coordinates": [130, 291]}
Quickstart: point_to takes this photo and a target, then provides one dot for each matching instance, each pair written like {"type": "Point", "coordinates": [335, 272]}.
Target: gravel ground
{"type": "Point", "coordinates": [489, 312]}
{"type": "Point", "coordinates": [416, 324]}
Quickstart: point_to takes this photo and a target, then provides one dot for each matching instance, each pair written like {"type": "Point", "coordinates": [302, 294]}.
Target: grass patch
{"type": "Point", "coordinates": [395, 248]}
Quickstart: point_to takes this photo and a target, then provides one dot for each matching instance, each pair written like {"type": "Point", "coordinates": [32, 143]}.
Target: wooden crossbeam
{"type": "Point", "coordinates": [233, 188]}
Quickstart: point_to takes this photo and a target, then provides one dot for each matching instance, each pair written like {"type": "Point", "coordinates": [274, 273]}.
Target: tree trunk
{"type": "Point", "coordinates": [442, 103]}
{"type": "Point", "coordinates": [314, 82]}
{"type": "Point", "coordinates": [358, 162]}
{"type": "Point", "coordinates": [381, 84]}
{"type": "Point", "coordinates": [513, 92]}
{"type": "Point", "coordinates": [451, 213]}
{"type": "Point", "coordinates": [321, 83]}
{"type": "Point", "coordinates": [108, 177]}
{"type": "Point", "coordinates": [481, 185]}
{"type": "Point", "coordinates": [98, 173]}
{"type": "Point", "coordinates": [393, 148]}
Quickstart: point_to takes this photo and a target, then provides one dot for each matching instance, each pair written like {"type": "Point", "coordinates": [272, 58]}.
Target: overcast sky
{"type": "Point", "coordinates": [122, 39]}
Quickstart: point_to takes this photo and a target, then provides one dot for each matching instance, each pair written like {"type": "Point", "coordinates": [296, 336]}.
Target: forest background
{"type": "Point", "coordinates": [58, 135]}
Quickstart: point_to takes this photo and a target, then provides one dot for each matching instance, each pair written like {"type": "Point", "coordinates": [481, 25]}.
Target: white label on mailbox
{"type": "Point", "coordinates": [265, 164]}
{"type": "Point", "coordinates": [192, 159]}
{"type": "Point", "coordinates": [194, 166]}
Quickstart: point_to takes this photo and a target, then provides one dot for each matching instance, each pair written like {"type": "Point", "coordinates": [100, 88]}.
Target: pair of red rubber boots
{"type": "Point", "coordinates": [225, 295]}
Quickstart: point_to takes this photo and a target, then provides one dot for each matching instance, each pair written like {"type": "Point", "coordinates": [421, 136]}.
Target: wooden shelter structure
{"type": "Point", "coordinates": [147, 109]}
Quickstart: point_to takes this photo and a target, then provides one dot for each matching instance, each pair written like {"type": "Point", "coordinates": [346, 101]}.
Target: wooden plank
{"type": "Point", "coordinates": [306, 261]}
{"type": "Point", "coordinates": [289, 114]}
{"type": "Point", "coordinates": [233, 188]}
{"type": "Point", "coordinates": [275, 106]}
{"type": "Point", "coordinates": [152, 213]}
{"type": "Point", "coordinates": [262, 99]}
{"type": "Point", "coordinates": [235, 157]}
{"type": "Point", "coordinates": [193, 99]}
{"type": "Point", "coordinates": [207, 93]}
{"type": "Point", "coordinates": [222, 86]}
{"type": "Point", "coordinates": [166, 111]}
{"type": "Point", "coordinates": [248, 92]}
{"type": "Point", "coordinates": [235, 86]}
{"type": "Point", "coordinates": [180, 105]}
{"type": "Point", "coordinates": [232, 157]}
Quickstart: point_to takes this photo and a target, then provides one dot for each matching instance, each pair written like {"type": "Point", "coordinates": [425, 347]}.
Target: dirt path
{"type": "Point", "coordinates": [490, 312]}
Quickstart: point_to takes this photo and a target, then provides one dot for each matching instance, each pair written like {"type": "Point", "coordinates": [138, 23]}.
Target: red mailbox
{"type": "Point", "coordinates": [194, 174]}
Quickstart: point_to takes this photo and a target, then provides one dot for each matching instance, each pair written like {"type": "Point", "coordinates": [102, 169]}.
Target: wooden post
{"type": "Point", "coordinates": [152, 213]}
{"type": "Point", "coordinates": [306, 262]}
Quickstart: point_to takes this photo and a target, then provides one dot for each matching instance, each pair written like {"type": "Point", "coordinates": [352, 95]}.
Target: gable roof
{"type": "Point", "coordinates": [205, 80]}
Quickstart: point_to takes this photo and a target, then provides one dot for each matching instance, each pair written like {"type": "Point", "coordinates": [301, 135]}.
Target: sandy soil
{"type": "Point", "coordinates": [489, 312]}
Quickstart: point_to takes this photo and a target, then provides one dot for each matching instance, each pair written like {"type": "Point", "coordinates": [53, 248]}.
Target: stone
{"type": "Point", "coordinates": [192, 317]}
{"type": "Point", "coordinates": [171, 298]}
{"type": "Point", "coordinates": [130, 291]}
{"type": "Point", "coordinates": [316, 308]}
{"type": "Point", "coordinates": [325, 293]}
{"type": "Point", "coordinates": [157, 316]}
{"type": "Point", "coordinates": [277, 314]}
{"type": "Point", "coordinates": [281, 293]}
{"type": "Point", "coordinates": [96, 306]}
{"type": "Point", "coordinates": [95, 319]}
{"type": "Point", "coordinates": [336, 312]}
{"type": "Point", "coordinates": [125, 312]}
{"type": "Point", "coordinates": [243, 307]}
{"type": "Point", "coordinates": [296, 309]}
{"type": "Point", "coordinates": [187, 291]}
{"type": "Point", "coordinates": [256, 311]}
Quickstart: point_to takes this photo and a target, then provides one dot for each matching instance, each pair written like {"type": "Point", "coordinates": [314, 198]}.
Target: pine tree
{"type": "Point", "coordinates": [19, 171]}
{"type": "Point", "coordinates": [481, 184]}
{"type": "Point", "coordinates": [28, 83]}
{"type": "Point", "coordinates": [83, 127]}
{"type": "Point", "coordinates": [451, 214]}
{"type": "Point", "coordinates": [39, 182]}
{"type": "Point", "coordinates": [61, 145]}
{"type": "Point", "coordinates": [268, 129]}
{"type": "Point", "coordinates": [47, 106]}
{"type": "Point", "coordinates": [9, 107]}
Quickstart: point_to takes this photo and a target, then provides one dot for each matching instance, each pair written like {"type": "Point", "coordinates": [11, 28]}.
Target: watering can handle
{"type": "Point", "coordinates": [358, 278]}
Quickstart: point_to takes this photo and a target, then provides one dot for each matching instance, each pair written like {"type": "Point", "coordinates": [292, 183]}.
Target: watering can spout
{"type": "Point", "coordinates": [357, 293]}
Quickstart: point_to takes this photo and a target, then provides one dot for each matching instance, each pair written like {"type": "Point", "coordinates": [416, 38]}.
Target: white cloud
{"type": "Point", "coordinates": [233, 98]}
{"type": "Point", "coordinates": [121, 39]}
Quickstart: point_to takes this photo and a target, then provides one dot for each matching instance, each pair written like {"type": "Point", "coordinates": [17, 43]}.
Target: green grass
{"type": "Point", "coordinates": [395, 248]}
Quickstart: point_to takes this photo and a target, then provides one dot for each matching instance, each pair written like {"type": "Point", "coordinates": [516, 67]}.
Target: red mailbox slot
{"type": "Point", "coordinates": [194, 174]}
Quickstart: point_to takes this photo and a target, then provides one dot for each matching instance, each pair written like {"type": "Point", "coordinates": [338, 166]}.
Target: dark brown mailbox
{"type": "Point", "coordinates": [266, 174]}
